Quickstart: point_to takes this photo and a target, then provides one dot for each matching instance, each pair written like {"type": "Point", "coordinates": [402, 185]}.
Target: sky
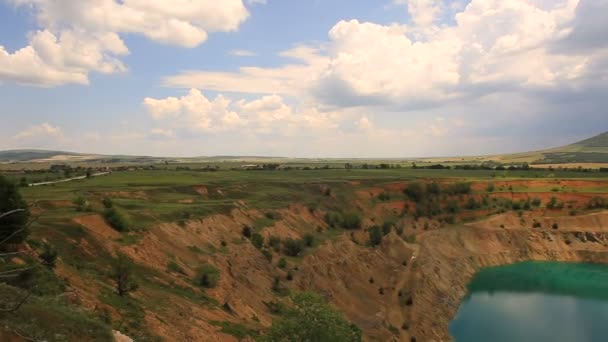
{"type": "Point", "coordinates": [302, 78]}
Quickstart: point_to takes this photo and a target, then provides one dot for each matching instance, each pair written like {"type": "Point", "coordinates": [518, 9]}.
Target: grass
{"type": "Point", "coordinates": [51, 319]}
{"type": "Point", "coordinates": [237, 330]}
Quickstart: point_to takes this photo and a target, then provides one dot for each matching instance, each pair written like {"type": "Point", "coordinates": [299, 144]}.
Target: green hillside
{"type": "Point", "coordinates": [592, 150]}
{"type": "Point", "coordinates": [27, 155]}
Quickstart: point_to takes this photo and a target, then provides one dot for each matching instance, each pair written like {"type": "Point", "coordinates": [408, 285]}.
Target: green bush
{"type": "Point", "coordinates": [415, 191]}
{"type": "Point", "coordinates": [208, 276]}
{"type": "Point", "coordinates": [311, 319]}
{"type": "Point", "coordinates": [334, 219]}
{"type": "Point", "coordinates": [375, 235]}
{"type": "Point", "coordinates": [257, 240]}
{"type": "Point", "coordinates": [48, 255]}
{"type": "Point", "coordinates": [275, 243]}
{"type": "Point", "coordinates": [351, 221]}
{"type": "Point", "coordinates": [292, 247]}
{"type": "Point", "coordinates": [309, 240]}
{"type": "Point", "coordinates": [107, 203]}
{"type": "Point", "coordinates": [122, 273]}
{"type": "Point", "coordinates": [116, 219]}
{"type": "Point", "coordinates": [490, 187]}
{"type": "Point", "coordinates": [267, 255]}
{"type": "Point", "coordinates": [282, 263]}
{"type": "Point", "coordinates": [246, 231]}
{"type": "Point", "coordinates": [387, 226]}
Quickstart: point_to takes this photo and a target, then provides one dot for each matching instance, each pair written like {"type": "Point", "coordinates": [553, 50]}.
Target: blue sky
{"type": "Point", "coordinates": [321, 78]}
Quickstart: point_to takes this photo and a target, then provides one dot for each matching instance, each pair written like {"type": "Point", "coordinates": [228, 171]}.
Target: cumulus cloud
{"type": "Point", "coordinates": [79, 37]}
{"type": "Point", "coordinates": [476, 55]}
{"type": "Point", "coordinates": [44, 129]}
{"type": "Point", "coordinates": [194, 113]}
{"type": "Point", "coordinates": [490, 46]}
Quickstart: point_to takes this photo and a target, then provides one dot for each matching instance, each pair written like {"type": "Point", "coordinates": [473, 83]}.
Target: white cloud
{"type": "Point", "coordinates": [44, 129]}
{"type": "Point", "coordinates": [492, 46]}
{"type": "Point", "coordinates": [242, 53]}
{"type": "Point", "coordinates": [194, 113]}
{"type": "Point", "coordinates": [79, 37]}
{"type": "Point", "coordinates": [287, 79]}
{"type": "Point", "coordinates": [52, 60]}
{"type": "Point", "coordinates": [422, 12]}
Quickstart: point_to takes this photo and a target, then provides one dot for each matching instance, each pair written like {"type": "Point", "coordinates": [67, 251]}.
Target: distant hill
{"type": "Point", "coordinates": [28, 155]}
{"type": "Point", "coordinates": [591, 150]}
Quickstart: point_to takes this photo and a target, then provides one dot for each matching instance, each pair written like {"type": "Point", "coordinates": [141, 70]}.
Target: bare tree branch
{"type": "Point", "coordinates": [18, 304]}
{"type": "Point", "coordinates": [11, 212]}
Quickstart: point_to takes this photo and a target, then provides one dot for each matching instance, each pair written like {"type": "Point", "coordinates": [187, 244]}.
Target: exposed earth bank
{"type": "Point", "coordinates": [450, 258]}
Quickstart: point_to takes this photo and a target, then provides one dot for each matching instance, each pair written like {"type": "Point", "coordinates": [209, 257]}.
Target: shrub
{"type": "Point", "coordinates": [267, 255]}
{"type": "Point", "coordinates": [81, 203]}
{"type": "Point", "coordinates": [334, 219]}
{"type": "Point", "coordinates": [122, 273]}
{"type": "Point", "coordinates": [555, 226]}
{"type": "Point", "coordinates": [107, 202]}
{"type": "Point", "coordinates": [246, 231]}
{"type": "Point", "coordinates": [536, 224]}
{"type": "Point", "coordinates": [208, 276]}
{"type": "Point", "coordinates": [415, 191]}
{"type": "Point", "coordinates": [282, 263]}
{"type": "Point", "coordinates": [387, 226]}
{"type": "Point", "coordinates": [375, 235]}
{"type": "Point", "coordinates": [490, 187]}
{"type": "Point", "coordinates": [48, 256]}
{"type": "Point", "coordinates": [275, 243]}
{"type": "Point", "coordinates": [472, 204]}
{"type": "Point", "coordinates": [554, 204]}
{"type": "Point", "coordinates": [384, 196]}
{"type": "Point", "coordinates": [312, 319]}
{"type": "Point", "coordinates": [351, 221]}
{"type": "Point", "coordinates": [257, 240]}
{"type": "Point", "coordinates": [309, 240]}
{"type": "Point", "coordinates": [292, 247]}
{"type": "Point", "coordinates": [116, 219]}
{"type": "Point", "coordinates": [536, 202]}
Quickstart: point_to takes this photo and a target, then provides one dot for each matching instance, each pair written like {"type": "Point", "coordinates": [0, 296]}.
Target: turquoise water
{"type": "Point", "coordinates": [535, 302]}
